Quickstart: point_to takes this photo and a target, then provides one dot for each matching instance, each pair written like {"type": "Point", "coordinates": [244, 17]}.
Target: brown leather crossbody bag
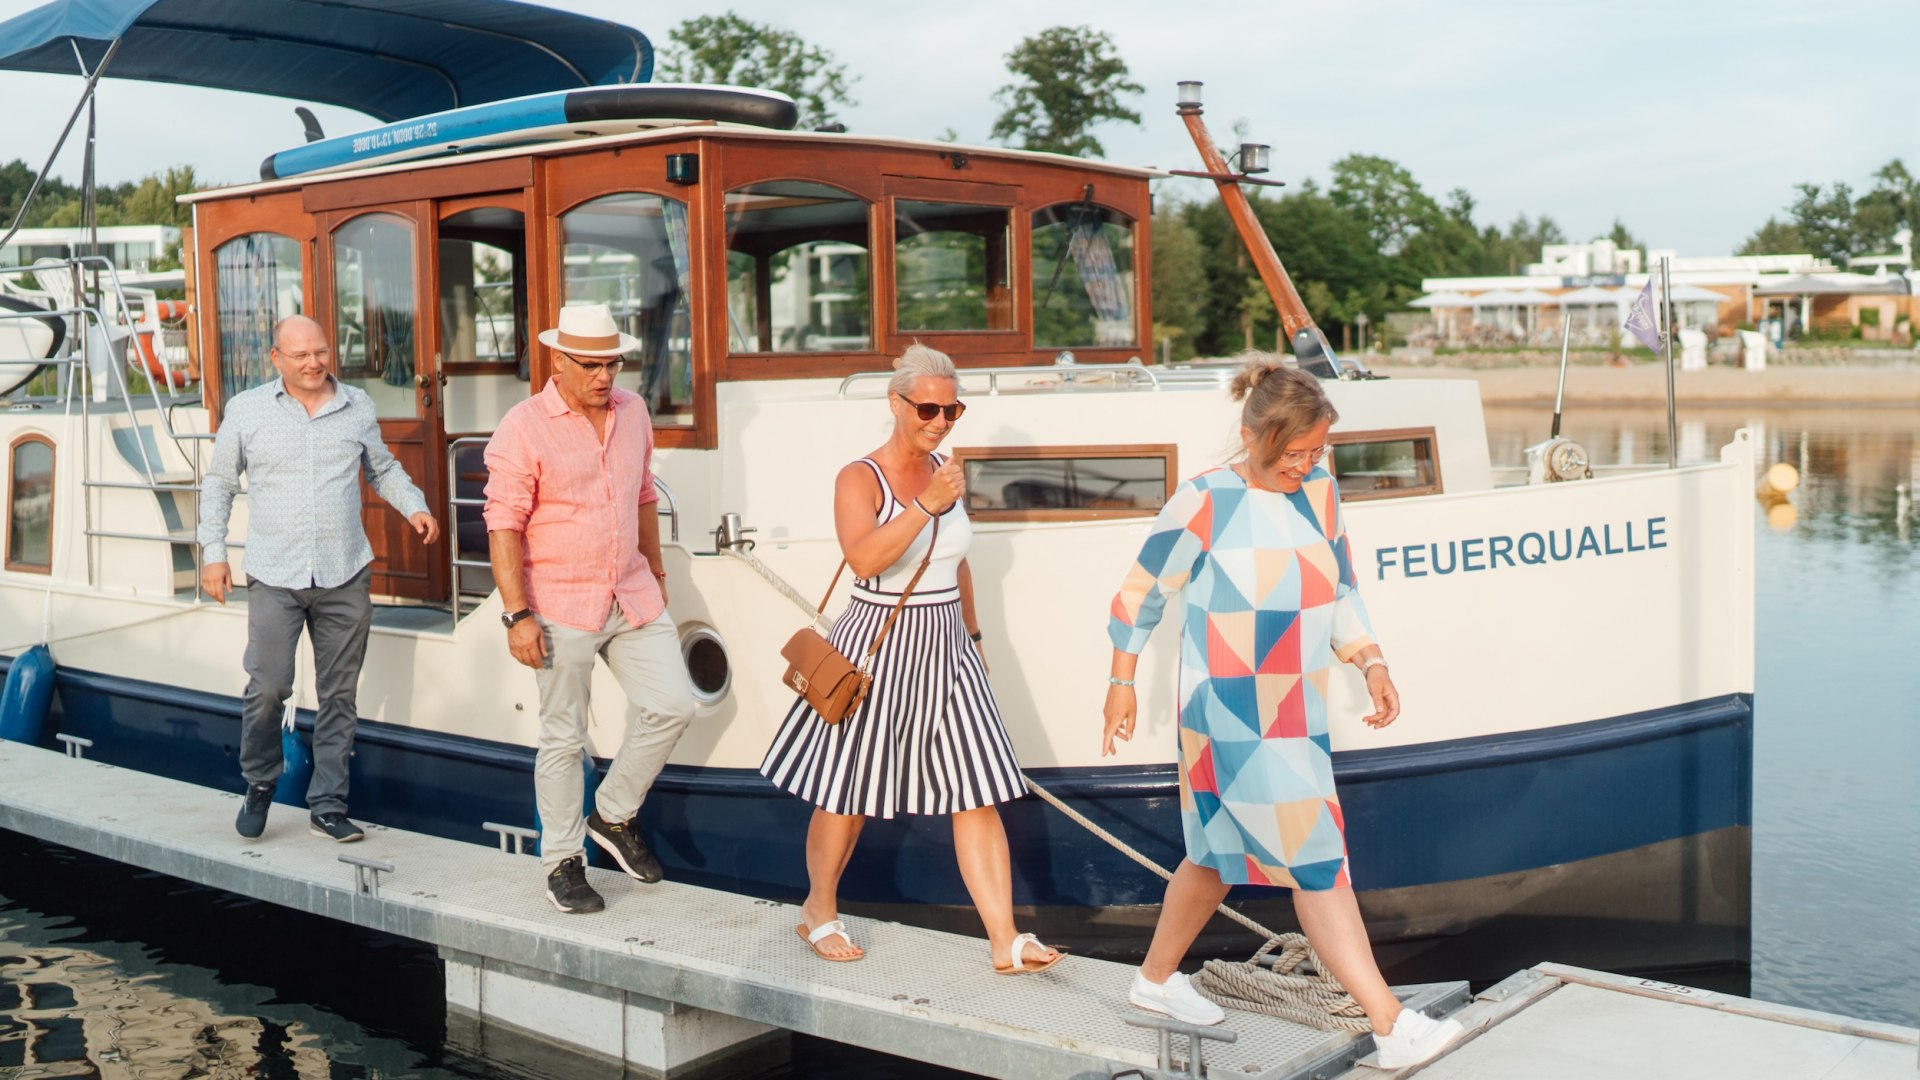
{"type": "Point", "coordinates": [832, 684]}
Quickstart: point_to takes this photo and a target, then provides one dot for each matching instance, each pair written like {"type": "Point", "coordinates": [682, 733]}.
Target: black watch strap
{"type": "Point", "coordinates": [508, 619]}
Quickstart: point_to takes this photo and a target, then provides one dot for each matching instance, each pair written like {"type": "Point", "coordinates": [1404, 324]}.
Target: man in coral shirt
{"type": "Point", "coordinates": [575, 545]}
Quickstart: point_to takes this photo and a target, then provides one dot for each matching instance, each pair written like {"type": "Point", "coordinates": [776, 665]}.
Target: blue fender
{"type": "Point", "coordinates": [28, 696]}
{"type": "Point", "coordinates": [296, 769]}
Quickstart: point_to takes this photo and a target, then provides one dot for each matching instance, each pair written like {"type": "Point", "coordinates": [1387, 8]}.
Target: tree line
{"type": "Point", "coordinates": [1359, 245]}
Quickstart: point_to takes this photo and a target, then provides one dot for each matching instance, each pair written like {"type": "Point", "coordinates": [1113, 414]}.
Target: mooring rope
{"type": "Point", "coordinates": [1297, 987]}
{"type": "Point", "coordinates": [780, 585]}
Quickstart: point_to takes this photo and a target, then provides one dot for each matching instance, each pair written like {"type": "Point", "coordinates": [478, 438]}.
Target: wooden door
{"type": "Point", "coordinates": [375, 298]}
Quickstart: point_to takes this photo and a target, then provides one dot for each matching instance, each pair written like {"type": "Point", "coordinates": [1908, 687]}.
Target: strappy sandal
{"type": "Point", "coordinates": [1017, 957]}
{"type": "Point", "coordinates": [825, 930]}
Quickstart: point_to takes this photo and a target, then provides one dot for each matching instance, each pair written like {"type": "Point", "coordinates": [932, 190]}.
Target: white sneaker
{"type": "Point", "coordinates": [1176, 998]}
{"type": "Point", "coordinates": [1415, 1038]}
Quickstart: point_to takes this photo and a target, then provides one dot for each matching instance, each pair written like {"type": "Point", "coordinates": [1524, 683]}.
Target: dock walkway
{"type": "Point", "coordinates": [657, 949]}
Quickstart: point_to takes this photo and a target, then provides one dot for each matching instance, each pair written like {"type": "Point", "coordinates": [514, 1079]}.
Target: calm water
{"type": "Point", "coordinates": [183, 981]}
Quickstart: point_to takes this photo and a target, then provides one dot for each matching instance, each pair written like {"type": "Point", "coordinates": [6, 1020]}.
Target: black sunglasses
{"type": "Point", "coordinates": [927, 410]}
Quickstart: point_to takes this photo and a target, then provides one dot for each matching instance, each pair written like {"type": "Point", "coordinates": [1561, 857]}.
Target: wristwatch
{"type": "Point", "coordinates": [508, 618]}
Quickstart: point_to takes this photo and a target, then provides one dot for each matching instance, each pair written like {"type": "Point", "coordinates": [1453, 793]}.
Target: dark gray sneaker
{"type": "Point", "coordinates": [622, 841]}
{"type": "Point", "coordinates": [567, 888]}
{"type": "Point", "coordinates": [334, 826]}
{"type": "Point", "coordinates": [253, 811]}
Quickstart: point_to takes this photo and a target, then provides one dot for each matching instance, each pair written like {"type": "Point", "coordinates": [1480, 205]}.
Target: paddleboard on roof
{"type": "Point", "coordinates": [560, 114]}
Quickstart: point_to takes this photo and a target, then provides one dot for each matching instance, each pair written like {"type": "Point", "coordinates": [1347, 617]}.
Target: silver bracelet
{"type": "Point", "coordinates": [1115, 681]}
{"type": "Point", "coordinates": [1369, 664]}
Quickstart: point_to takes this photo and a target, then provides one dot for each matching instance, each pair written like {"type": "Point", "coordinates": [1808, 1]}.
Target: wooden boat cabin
{"type": "Point", "coordinates": [731, 253]}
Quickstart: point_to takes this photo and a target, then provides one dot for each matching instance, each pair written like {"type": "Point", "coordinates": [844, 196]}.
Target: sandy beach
{"type": "Point", "coordinates": [1879, 385]}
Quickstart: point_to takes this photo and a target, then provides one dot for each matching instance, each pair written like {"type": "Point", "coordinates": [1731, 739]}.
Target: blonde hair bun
{"type": "Point", "coordinates": [1254, 368]}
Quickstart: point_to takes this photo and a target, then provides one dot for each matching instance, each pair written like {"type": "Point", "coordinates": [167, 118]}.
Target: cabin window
{"type": "Point", "coordinates": [1067, 483]}
{"type": "Point", "coordinates": [1083, 283]}
{"type": "Point", "coordinates": [798, 269]}
{"type": "Point", "coordinates": [258, 283]}
{"type": "Point", "coordinates": [374, 316]}
{"type": "Point", "coordinates": [483, 292]}
{"type": "Point", "coordinates": [951, 266]}
{"type": "Point", "coordinates": [30, 505]}
{"type": "Point", "coordinates": [630, 251]}
{"type": "Point", "coordinates": [1385, 464]}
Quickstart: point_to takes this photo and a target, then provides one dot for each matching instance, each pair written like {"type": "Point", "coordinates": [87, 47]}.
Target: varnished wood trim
{"type": "Point", "coordinates": [502, 175]}
{"type": "Point", "coordinates": [1384, 435]}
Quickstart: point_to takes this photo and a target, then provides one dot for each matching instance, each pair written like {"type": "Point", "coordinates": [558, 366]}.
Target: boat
{"type": "Point", "coordinates": [1572, 773]}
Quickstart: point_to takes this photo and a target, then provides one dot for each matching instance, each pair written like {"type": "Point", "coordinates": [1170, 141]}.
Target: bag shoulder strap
{"type": "Point", "coordinates": [904, 594]}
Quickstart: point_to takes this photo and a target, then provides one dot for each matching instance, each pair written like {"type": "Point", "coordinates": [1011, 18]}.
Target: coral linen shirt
{"type": "Point", "coordinates": [576, 501]}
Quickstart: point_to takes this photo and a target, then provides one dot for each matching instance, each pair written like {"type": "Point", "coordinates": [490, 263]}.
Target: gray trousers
{"type": "Point", "coordinates": [337, 618]}
{"type": "Point", "coordinates": [646, 662]}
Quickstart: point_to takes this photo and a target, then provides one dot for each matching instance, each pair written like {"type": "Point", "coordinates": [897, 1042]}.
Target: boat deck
{"type": "Point", "coordinates": [920, 993]}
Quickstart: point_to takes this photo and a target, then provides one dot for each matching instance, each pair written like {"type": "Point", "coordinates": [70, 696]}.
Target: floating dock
{"type": "Point", "coordinates": [671, 976]}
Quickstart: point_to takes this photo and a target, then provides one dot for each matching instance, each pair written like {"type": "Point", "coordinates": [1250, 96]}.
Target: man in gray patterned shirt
{"type": "Point", "coordinates": [303, 440]}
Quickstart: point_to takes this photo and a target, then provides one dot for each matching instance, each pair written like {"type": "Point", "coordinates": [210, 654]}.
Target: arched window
{"type": "Point", "coordinates": [630, 251]}
{"type": "Point", "coordinates": [258, 283]}
{"type": "Point", "coordinates": [797, 269]}
{"type": "Point", "coordinates": [1083, 283]}
{"type": "Point", "coordinates": [30, 505]}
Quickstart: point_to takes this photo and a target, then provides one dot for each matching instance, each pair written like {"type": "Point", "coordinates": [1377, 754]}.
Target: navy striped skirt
{"type": "Point", "coordinates": [928, 739]}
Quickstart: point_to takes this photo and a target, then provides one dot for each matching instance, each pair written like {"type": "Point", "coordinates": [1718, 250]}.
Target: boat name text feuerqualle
{"type": "Point", "coordinates": [1530, 548]}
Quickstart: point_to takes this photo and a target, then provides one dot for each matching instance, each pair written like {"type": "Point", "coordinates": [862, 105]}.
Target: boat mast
{"type": "Point", "coordinates": [1310, 346]}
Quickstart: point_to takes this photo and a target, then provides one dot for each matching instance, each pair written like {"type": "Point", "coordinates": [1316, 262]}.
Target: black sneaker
{"type": "Point", "coordinates": [253, 811]}
{"type": "Point", "coordinates": [334, 826]}
{"type": "Point", "coordinates": [622, 841]}
{"type": "Point", "coordinates": [567, 888]}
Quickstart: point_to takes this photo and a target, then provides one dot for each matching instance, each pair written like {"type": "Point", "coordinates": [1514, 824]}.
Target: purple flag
{"type": "Point", "coordinates": [1641, 322]}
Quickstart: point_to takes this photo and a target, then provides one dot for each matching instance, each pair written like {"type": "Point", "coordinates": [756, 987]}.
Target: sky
{"type": "Point", "coordinates": [1688, 120]}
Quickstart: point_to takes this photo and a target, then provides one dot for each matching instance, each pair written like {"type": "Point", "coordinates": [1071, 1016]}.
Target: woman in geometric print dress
{"type": "Point", "coordinates": [928, 738]}
{"type": "Point", "coordinates": [1256, 554]}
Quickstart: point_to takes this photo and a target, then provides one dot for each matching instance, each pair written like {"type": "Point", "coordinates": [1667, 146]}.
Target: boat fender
{"type": "Point", "coordinates": [296, 769]}
{"type": "Point", "coordinates": [589, 785]}
{"type": "Point", "coordinates": [28, 696]}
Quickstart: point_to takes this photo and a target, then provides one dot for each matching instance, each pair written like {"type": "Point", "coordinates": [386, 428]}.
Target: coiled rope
{"type": "Point", "coordinates": [1297, 986]}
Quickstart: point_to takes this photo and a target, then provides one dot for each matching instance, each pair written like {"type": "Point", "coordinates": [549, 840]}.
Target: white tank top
{"type": "Point", "coordinates": [941, 583]}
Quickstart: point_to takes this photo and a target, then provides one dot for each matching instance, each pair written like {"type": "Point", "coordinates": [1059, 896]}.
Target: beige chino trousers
{"type": "Point", "coordinates": [646, 662]}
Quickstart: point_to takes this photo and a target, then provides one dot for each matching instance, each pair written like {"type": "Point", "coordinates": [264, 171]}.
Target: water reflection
{"type": "Point", "coordinates": [109, 972]}
{"type": "Point", "coordinates": [1857, 466]}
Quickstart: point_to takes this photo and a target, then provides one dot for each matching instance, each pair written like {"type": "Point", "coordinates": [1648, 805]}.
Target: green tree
{"type": "Point", "coordinates": [1622, 239]}
{"type": "Point", "coordinates": [1776, 237]}
{"type": "Point", "coordinates": [1386, 197]}
{"type": "Point", "coordinates": [154, 200]}
{"type": "Point", "coordinates": [1885, 210]}
{"type": "Point", "coordinates": [730, 50]}
{"type": "Point", "coordinates": [1179, 282]}
{"type": "Point", "coordinates": [1824, 217]}
{"type": "Point", "coordinates": [1069, 80]}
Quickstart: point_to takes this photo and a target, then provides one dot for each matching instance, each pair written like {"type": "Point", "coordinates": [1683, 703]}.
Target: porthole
{"type": "Point", "coordinates": [707, 665]}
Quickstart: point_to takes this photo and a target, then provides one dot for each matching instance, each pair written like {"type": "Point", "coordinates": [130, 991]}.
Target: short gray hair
{"type": "Point", "coordinates": [920, 362]}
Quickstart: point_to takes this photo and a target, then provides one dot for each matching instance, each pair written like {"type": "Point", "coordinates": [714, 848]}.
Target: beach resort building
{"type": "Point", "coordinates": [1590, 286]}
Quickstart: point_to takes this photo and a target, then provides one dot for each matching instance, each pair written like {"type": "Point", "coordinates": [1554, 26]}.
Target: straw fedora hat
{"type": "Point", "coordinates": [588, 330]}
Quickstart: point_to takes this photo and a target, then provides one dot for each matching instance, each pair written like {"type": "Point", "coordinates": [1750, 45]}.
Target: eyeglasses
{"type": "Point", "coordinates": [593, 371]}
{"type": "Point", "coordinates": [321, 355]}
{"type": "Point", "coordinates": [1293, 459]}
{"type": "Point", "coordinates": [927, 410]}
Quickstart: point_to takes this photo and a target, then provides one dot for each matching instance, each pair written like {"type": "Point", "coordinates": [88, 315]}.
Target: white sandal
{"type": "Point", "coordinates": [1017, 957]}
{"type": "Point", "coordinates": [825, 930]}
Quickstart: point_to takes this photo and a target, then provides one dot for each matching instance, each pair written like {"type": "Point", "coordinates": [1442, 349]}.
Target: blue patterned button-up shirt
{"type": "Point", "coordinates": [303, 485]}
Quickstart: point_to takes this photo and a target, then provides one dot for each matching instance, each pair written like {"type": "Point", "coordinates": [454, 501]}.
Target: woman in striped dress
{"type": "Point", "coordinates": [928, 738]}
